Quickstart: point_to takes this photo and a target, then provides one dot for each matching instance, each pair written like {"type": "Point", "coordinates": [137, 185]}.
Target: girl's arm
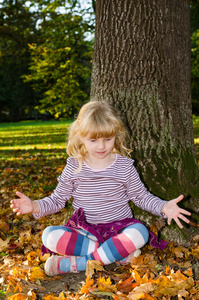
{"type": "Point", "coordinates": [24, 205]}
{"type": "Point", "coordinates": [147, 201]}
{"type": "Point", "coordinates": [173, 211]}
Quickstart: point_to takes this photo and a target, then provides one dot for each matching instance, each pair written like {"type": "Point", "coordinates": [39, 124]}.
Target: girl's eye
{"type": "Point", "coordinates": [108, 139]}
{"type": "Point", "coordinates": [92, 140]}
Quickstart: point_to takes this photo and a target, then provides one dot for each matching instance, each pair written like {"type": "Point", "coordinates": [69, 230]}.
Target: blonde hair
{"type": "Point", "coordinates": [98, 119]}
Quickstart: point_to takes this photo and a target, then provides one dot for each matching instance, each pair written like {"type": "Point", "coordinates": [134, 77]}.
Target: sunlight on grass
{"type": "Point", "coordinates": [35, 146]}
{"type": "Point", "coordinates": [33, 135]}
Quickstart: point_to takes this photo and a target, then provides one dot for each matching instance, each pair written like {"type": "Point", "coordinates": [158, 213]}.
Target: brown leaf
{"type": "Point", "coordinates": [144, 288]}
{"type": "Point", "coordinates": [196, 238]}
{"type": "Point", "coordinates": [160, 223]}
{"type": "Point", "coordinates": [93, 265]}
{"type": "Point", "coordinates": [126, 286]}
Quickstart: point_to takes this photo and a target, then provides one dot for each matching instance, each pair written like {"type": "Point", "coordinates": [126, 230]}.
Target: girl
{"type": "Point", "coordinates": [102, 180]}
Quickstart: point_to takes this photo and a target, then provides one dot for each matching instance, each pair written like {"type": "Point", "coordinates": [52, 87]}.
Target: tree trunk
{"type": "Point", "coordinates": [141, 64]}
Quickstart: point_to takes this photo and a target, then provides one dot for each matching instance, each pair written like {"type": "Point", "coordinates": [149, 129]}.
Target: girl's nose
{"type": "Point", "coordinates": [101, 144]}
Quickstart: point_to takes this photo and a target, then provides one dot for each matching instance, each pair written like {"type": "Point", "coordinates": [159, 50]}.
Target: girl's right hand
{"type": "Point", "coordinates": [22, 205]}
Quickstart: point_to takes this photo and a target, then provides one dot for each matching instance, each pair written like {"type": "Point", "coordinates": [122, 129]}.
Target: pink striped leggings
{"type": "Point", "coordinates": [78, 242]}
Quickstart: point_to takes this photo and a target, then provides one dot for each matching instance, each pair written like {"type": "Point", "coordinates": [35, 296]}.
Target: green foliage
{"type": "Point", "coordinates": [17, 29]}
{"type": "Point", "coordinates": [43, 42]}
{"type": "Point", "coordinates": [61, 64]}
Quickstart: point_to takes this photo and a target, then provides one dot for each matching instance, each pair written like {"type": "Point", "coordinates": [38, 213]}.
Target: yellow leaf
{"type": "Point", "coordinates": [18, 296]}
{"type": "Point", "coordinates": [36, 273]}
{"type": "Point", "coordinates": [154, 229]}
{"type": "Point", "coordinates": [137, 277]}
{"type": "Point", "coordinates": [44, 257]}
{"type": "Point", "coordinates": [136, 296]}
{"type": "Point", "coordinates": [62, 296]}
{"type": "Point", "coordinates": [18, 288]}
{"type": "Point", "coordinates": [49, 297]}
{"type": "Point", "coordinates": [105, 285]}
{"type": "Point", "coordinates": [86, 288]}
{"type": "Point", "coordinates": [93, 265]}
{"type": "Point", "coordinates": [149, 297]}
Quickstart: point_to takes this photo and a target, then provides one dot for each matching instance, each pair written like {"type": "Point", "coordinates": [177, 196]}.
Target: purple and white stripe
{"type": "Point", "coordinates": [103, 194]}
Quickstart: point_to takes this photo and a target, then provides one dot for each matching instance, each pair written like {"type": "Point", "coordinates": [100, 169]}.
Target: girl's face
{"type": "Point", "coordinates": [98, 148]}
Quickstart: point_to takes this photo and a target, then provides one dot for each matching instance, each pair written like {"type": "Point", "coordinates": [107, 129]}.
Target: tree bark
{"type": "Point", "coordinates": [141, 64]}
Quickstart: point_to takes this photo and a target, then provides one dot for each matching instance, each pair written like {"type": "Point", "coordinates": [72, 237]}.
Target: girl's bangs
{"type": "Point", "coordinates": [98, 130]}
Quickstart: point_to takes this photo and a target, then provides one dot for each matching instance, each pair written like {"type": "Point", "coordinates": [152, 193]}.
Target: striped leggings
{"type": "Point", "coordinates": [78, 242]}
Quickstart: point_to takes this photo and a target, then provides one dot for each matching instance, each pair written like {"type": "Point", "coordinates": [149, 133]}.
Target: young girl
{"type": "Point", "coordinates": [102, 180]}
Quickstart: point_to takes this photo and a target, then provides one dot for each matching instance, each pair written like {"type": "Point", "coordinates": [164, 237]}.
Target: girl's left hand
{"type": "Point", "coordinates": [173, 211]}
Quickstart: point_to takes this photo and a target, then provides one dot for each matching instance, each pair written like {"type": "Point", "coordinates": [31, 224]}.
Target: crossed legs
{"type": "Point", "coordinates": [77, 242]}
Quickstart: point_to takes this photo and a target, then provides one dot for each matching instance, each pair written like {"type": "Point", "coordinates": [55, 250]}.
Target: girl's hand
{"type": "Point", "coordinates": [22, 205]}
{"type": "Point", "coordinates": [173, 211]}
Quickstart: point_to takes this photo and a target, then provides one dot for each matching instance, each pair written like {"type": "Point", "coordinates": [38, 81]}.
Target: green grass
{"type": "Point", "coordinates": [33, 135]}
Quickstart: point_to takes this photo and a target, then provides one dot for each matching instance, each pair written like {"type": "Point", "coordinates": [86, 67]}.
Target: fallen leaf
{"type": "Point", "coordinates": [183, 293]}
{"type": "Point", "coordinates": [144, 288]}
{"type": "Point", "coordinates": [105, 285]}
{"type": "Point", "coordinates": [126, 286]}
{"type": "Point", "coordinates": [91, 266]}
{"type": "Point", "coordinates": [87, 287]}
{"type": "Point", "coordinates": [4, 244]}
{"type": "Point", "coordinates": [18, 296]}
{"type": "Point", "coordinates": [36, 273]}
{"type": "Point", "coordinates": [136, 296]}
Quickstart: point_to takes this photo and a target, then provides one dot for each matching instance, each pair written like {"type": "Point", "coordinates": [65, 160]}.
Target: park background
{"type": "Point", "coordinates": [45, 76]}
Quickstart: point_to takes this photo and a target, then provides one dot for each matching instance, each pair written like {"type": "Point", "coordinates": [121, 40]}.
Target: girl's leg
{"type": "Point", "coordinates": [120, 246]}
{"type": "Point", "coordinates": [114, 249]}
{"type": "Point", "coordinates": [76, 243]}
{"type": "Point", "coordinates": [69, 241]}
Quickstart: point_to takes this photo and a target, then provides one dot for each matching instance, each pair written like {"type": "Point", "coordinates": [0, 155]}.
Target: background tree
{"type": "Point", "coordinates": [60, 66]}
{"type": "Point", "coordinates": [17, 29]}
{"type": "Point", "coordinates": [45, 54]}
{"type": "Point", "coordinates": [141, 64]}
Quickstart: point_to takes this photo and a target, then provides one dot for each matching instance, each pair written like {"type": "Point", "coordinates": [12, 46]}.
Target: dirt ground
{"type": "Point", "coordinates": [68, 282]}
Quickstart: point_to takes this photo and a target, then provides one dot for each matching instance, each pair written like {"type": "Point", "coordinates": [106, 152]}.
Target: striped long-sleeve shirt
{"type": "Point", "coordinates": [103, 194]}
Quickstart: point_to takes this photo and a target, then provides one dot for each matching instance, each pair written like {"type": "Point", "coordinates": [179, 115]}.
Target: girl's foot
{"type": "Point", "coordinates": [127, 260]}
{"type": "Point", "coordinates": [64, 264]}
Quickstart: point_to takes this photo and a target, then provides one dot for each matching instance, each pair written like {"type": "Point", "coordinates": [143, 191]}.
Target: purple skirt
{"type": "Point", "coordinates": [104, 231]}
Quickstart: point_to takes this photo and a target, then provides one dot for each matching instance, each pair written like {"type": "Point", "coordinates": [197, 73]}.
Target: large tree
{"type": "Point", "coordinates": [141, 64]}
